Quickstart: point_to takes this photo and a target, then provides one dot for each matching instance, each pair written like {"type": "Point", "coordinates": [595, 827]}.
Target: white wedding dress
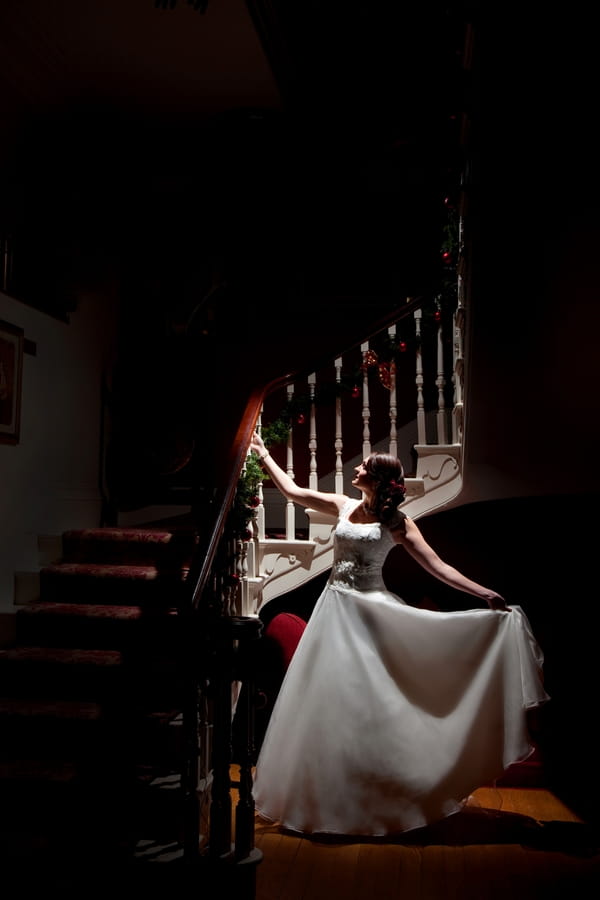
{"type": "Point", "coordinates": [389, 716]}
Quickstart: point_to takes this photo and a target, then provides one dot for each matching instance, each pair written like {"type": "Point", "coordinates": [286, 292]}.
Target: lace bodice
{"type": "Point", "coordinates": [359, 552]}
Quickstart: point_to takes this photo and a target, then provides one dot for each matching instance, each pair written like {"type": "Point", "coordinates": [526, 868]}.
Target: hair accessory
{"type": "Point", "coordinates": [397, 487]}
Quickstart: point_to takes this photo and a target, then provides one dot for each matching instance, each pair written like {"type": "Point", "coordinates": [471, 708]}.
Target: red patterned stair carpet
{"type": "Point", "coordinates": [90, 702]}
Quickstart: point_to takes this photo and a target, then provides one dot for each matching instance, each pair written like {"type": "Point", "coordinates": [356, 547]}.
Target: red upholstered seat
{"type": "Point", "coordinates": [283, 633]}
{"type": "Point", "coordinates": [273, 654]}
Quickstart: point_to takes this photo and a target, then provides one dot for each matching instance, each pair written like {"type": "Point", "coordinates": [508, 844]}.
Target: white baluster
{"type": "Point", "coordinates": [313, 479]}
{"type": "Point", "coordinates": [421, 429]}
{"type": "Point", "coordinates": [339, 443]}
{"type": "Point", "coordinates": [393, 407]}
{"type": "Point", "coordinates": [458, 362]}
{"type": "Point", "coordinates": [260, 509]}
{"type": "Point", "coordinates": [251, 552]}
{"type": "Point", "coordinates": [290, 508]}
{"type": "Point", "coordinates": [457, 376]}
{"type": "Point", "coordinates": [241, 571]}
{"type": "Point", "coordinates": [366, 410]}
{"type": "Point", "coordinates": [233, 568]}
{"type": "Point", "coordinates": [440, 381]}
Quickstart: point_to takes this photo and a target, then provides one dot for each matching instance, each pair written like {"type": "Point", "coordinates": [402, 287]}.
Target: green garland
{"type": "Point", "coordinates": [246, 500]}
{"type": "Point", "coordinates": [387, 349]}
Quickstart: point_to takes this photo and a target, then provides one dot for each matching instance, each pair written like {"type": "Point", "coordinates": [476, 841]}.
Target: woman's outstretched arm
{"type": "Point", "coordinates": [411, 537]}
{"type": "Point", "coordinates": [330, 504]}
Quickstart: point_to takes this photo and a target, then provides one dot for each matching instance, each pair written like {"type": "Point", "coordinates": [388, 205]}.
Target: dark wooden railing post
{"type": "Point", "coordinates": [237, 858]}
{"type": "Point", "coordinates": [220, 838]}
{"type": "Point", "coordinates": [250, 630]}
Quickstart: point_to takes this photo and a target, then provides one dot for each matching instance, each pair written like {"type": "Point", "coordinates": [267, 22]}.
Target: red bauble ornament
{"type": "Point", "coordinates": [402, 347]}
{"type": "Point", "coordinates": [254, 501]}
{"type": "Point", "coordinates": [356, 391]}
{"type": "Point", "coordinates": [447, 257]}
{"type": "Point", "coordinates": [300, 419]}
{"type": "Point", "coordinates": [386, 370]}
{"type": "Point", "coordinates": [437, 315]}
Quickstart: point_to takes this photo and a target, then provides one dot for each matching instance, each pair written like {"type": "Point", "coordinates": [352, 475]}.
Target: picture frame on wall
{"type": "Point", "coordinates": [11, 371]}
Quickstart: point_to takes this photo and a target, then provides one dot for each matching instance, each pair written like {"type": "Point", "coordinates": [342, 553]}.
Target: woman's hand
{"type": "Point", "coordinates": [257, 445]}
{"type": "Point", "coordinates": [496, 601]}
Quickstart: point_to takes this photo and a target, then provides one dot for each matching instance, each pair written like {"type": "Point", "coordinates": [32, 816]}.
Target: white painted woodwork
{"type": "Point", "coordinates": [393, 412]}
{"type": "Point", "coordinates": [269, 566]}
{"type": "Point", "coordinates": [421, 430]}
{"type": "Point", "coordinates": [313, 477]}
{"type": "Point", "coordinates": [290, 518]}
{"type": "Point", "coordinates": [366, 411]}
{"type": "Point", "coordinates": [260, 511]}
{"type": "Point", "coordinates": [338, 441]}
{"type": "Point", "coordinates": [440, 382]}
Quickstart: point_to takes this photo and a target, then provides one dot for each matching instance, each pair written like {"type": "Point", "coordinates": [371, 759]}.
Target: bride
{"type": "Point", "coordinates": [389, 716]}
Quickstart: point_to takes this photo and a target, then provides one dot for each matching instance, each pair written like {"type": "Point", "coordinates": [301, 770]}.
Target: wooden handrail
{"type": "Point", "coordinates": [232, 466]}
{"type": "Point", "coordinates": [225, 493]}
{"type": "Point", "coordinates": [206, 550]}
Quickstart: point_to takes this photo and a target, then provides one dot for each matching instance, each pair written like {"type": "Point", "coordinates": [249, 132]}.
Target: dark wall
{"type": "Point", "coordinates": [534, 301]}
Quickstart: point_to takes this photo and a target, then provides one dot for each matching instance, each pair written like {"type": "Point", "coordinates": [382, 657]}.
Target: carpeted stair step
{"type": "Point", "coordinates": [94, 625]}
{"type": "Point", "coordinates": [92, 733]}
{"type": "Point", "coordinates": [111, 584]}
{"type": "Point", "coordinates": [57, 805]}
{"type": "Point", "coordinates": [71, 728]}
{"type": "Point", "coordinates": [142, 676]}
{"type": "Point", "coordinates": [40, 790]}
{"type": "Point", "coordinates": [131, 546]}
{"type": "Point", "coordinates": [64, 672]}
{"type": "Point", "coordinates": [52, 811]}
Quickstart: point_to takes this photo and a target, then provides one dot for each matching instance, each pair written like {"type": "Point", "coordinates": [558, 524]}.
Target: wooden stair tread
{"type": "Point", "coordinates": [122, 533]}
{"type": "Point", "coordinates": [26, 707]}
{"type": "Point", "coordinates": [55, 770]}
{"type": "Point", "coordinates": [88, 610]}
{"type": "Point", "coordinates": [91, 690]}
{"type": "Point", "coordinates": [110, 570]}
{"type": "Point", "coordinates": [62, 656]}
{"type": "Point", "coordinates": [137, 546]}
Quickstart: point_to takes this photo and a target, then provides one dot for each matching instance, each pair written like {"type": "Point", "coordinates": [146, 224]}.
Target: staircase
{"type": "Point", "coordinates": [398, 391]}
{"type": "Point", "coordinates": [95, 745]}
{"type": "Point", "coordinates": [98, 760]}
{"type": "Point", "coordinates": [90, 705]}
{"type": "Point", "coordinates": [109, 752]}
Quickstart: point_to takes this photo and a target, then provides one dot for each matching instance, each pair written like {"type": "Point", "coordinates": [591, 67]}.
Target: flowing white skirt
{"type": "Point", "coordinates": [390, 716]}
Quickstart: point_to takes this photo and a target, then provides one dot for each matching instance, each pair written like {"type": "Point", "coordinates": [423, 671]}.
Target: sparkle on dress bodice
{"type": "Point", "coordinates": [359, 552]}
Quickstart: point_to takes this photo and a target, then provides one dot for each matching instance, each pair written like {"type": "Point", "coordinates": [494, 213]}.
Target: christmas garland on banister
{"type": "Point", "coordinates": [381, 357]}
{"type": "Point", "coordinates": [243, 509]}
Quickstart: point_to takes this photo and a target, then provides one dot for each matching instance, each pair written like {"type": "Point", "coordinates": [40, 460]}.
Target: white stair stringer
{"type": "Point", "coordinates": [287, 565]}
{"type": "Point", "coordinates": [439, 472]}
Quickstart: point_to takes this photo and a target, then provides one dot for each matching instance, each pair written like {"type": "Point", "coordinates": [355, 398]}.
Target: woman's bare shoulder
{"type": "Point", "coordinates": [330, 504]}
{"type": "Point", "coordinates": [398, 522]}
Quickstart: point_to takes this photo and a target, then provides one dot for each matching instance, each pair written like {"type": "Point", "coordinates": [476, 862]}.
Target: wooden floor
{"type": "Point", "coordinates": [507, 844]}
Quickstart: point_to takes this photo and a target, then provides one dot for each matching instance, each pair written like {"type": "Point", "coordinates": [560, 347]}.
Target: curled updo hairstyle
{"type": "Point", "coordinates": [387, 473]}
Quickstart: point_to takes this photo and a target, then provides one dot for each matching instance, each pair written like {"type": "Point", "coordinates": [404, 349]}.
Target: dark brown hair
{"type": "Point", "coordinates": [387, 472]}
